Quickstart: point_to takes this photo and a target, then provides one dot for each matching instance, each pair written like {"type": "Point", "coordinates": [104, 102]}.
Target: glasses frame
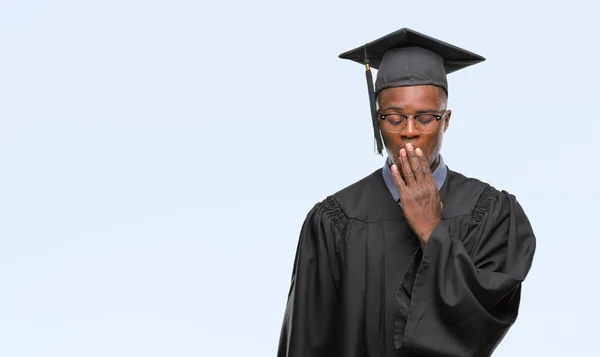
{"type": "Point", "coordinates": [414, 117]}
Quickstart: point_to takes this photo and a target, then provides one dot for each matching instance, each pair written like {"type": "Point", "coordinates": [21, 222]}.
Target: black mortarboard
{"type": "Point", "coordinates": [407, 58]}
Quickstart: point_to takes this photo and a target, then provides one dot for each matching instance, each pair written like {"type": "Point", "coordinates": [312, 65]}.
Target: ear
{"type": "Point", "coordinates": [447, 121]}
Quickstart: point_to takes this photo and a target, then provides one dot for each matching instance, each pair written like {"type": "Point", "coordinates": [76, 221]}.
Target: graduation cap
{"type": "Point", "coordinates": [407, 58]}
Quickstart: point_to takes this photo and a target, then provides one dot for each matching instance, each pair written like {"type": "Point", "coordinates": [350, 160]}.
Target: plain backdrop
{"type": "Point", "coordinates": [157, 159]}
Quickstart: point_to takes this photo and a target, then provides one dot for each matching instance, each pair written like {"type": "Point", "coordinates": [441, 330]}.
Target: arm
{"type": "Point", "coordinates": [464, 302]}
{"type": "Point", "coordinates": [309, 324]}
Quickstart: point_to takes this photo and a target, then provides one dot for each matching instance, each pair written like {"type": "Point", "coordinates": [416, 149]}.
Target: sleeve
{"type": "Point", "coordinates": [309, 324]}
{"type": "Point", "coordinates": [462, 303]}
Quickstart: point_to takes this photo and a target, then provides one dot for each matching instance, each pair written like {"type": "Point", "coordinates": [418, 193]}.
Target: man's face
{"type": "Point", "coordinates": [410, 101]}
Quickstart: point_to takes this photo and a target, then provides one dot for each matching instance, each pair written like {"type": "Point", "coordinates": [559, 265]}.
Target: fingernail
{"type": "Point", "coordinates": [409, 147]}
{"type": "Point", "coordinates": [403, 152]}
{"type": "Point", "coordinates": [419, 152]}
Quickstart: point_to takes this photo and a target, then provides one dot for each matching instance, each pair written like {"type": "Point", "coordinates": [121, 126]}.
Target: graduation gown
{"type": "Point", "coordinates": [362, 286]}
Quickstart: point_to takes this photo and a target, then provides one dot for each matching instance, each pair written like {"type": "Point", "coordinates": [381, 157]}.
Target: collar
{"type": "Point", "coordinates": [439, 176]}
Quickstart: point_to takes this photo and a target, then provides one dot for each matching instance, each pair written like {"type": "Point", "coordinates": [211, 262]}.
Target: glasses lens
{"type": "Point", "coordinates": [426, 123]}
{"type": "Point", "coordinates": [394, 123]}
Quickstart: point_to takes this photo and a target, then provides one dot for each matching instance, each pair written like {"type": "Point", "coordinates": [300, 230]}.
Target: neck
{"type": "Point", "coordinates": [435, 164]}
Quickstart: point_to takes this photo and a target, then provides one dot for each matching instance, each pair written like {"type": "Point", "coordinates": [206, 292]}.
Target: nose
{"type": "Point", "coordinates": [410, 130]}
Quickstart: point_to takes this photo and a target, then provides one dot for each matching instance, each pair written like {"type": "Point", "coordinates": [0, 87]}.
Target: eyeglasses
{"type": "Point", "coordinates": [424, 123]}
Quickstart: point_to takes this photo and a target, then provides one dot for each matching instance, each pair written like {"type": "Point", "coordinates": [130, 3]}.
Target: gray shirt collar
{"type": "Point", "coordinates": [439, 176]}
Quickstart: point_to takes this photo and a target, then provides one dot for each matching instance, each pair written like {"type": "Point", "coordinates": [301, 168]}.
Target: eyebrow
{"type": "Point", "coordinates": [400, 109]}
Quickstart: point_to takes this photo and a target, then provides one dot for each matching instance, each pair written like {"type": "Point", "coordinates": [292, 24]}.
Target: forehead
{"type": "Point", "coordinates": [420, 97]}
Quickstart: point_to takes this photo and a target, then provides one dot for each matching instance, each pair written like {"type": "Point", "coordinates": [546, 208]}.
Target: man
{"type": "Point", "coordinates": [415, 259]}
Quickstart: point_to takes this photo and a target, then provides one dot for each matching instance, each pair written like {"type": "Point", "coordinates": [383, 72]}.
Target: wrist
{"type": "Point", "coordinates": [424, 234]}
{"type": "Point", "coordinates": [423, 238]}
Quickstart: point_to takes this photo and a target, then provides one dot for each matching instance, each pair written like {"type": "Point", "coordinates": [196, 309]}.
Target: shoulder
{"type": "Point", "coordinates": [355, 201]}
{"type": "Point", "coordinates": [474, 197]}
{"type": "Point", "coordinates": [367, 199]}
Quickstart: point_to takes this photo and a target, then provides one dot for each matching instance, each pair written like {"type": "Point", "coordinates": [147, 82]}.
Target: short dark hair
{"type": "Point", "coordinates": [443, 95]}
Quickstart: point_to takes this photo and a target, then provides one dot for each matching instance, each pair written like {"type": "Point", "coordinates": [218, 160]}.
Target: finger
{"type": "Point", "coordinates": [409, 176]}
{"type": "Point", "coordinates": [397, 178]}
{"type": "Point", "coordinates": [425, 169]}
{"type": "Point", "coordinates": [414, 162]}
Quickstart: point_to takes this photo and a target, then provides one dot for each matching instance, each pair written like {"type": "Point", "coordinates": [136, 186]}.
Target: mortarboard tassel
{"type": "Point", "coordinates": [373, 104]}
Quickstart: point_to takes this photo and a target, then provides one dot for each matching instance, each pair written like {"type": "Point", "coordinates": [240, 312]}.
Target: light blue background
{"type": "Point", "coordinates": [158, 158]}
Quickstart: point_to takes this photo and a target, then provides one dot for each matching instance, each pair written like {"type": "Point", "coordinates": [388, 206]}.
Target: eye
{"type": "Point", "coordinates": [394, 119]}
{"type": "Point", "coordinates": [426, 118]}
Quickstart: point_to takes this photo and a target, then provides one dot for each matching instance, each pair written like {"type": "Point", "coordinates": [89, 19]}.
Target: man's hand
{"type": "Point", "coordinates": [419, 195]}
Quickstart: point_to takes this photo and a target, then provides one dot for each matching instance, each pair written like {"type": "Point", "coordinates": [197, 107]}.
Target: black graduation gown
{"type": "Point", "coordinates": [362, 286]}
